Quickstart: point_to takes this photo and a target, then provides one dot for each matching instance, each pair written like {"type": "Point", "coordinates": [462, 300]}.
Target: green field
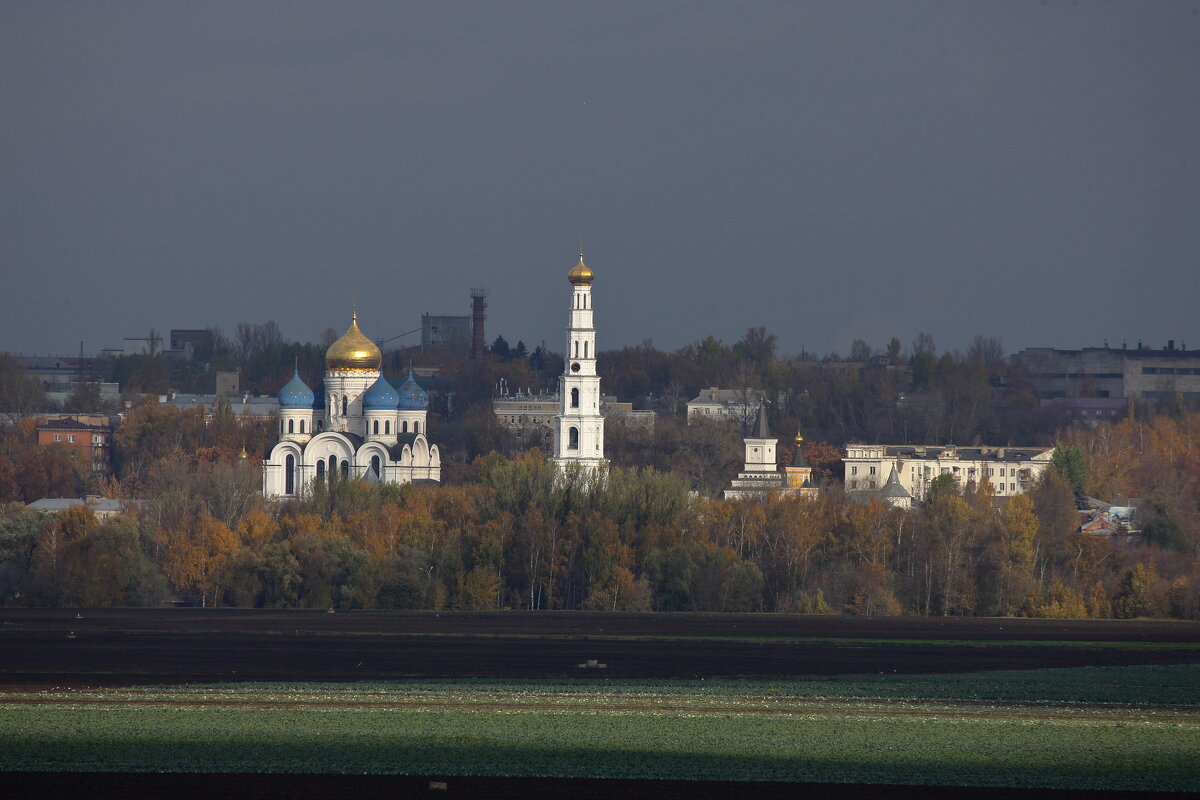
{"type": "Point", "coordinates": [1096, 728]}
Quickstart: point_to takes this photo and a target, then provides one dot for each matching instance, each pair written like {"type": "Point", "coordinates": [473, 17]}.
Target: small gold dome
{"type": "Point", "coordinates": [353, 351]}
{"type": "Point", "coordinates": [581, 274]}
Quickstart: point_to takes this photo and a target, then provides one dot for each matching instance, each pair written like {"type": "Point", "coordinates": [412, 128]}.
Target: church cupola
{"type": "Point", "coordinates": [296, 409]}
{"type": "Point", "coordinates": [381, 396]}
{"type": "Point", "coordinates": [414, 405]}
{"type": "Point", "coordinates": [353, 351]}
{"type": "Point", "coordinates": [412, 396]}
{"type": "Point", "coordinates": [352, 366]}
{"type": "Point", "coordinates": [379, 408]}
{"type": "Point", "coordinates": [295, 394]}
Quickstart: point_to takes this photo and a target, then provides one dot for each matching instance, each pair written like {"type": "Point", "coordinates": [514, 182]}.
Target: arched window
{"type": "Point", "coordinates": [320, 424]}
{"type": "Point", "coordinates": [405, 428]}
{"type": "Point", "coordinates": [575, 398]}
{"type": "Point", "coordinates": [343, 405]}
{"type": "Point", "coordinates": [573, 439]}
{"type": "Point", "coordinates": [302, 426]}
{"type": "Point", "coordinates": [332, 404]}
{"type": "Point", "coordinates": [387, 426]}
{"type": "Point", "coordinates": [332, 467]}
{"type": "Point", "coordinates": [289, 475]}
{"type": "Point", "coordinates": [320, 470]}
{"type": "Point", "coordinates": [375, 465]}
{"type": "Point", "coordinates": [345, 468]}
{"type": "Point", "coordinates": [291, 429]}
{"type": "Point", "coordinates": [375, 426]}
{"type": "Point", "coordinates": [585, 349]}
{"type": "Point", "coordinates": [416, 427]}
{"type": "Point", "coordinates": [576, 349]}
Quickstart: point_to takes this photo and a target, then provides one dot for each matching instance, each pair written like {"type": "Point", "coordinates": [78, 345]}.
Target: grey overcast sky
{"type": "Point", "coordinates": [830, 170]}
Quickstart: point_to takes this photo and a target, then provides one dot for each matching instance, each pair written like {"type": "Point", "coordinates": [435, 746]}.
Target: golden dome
{"type": "Point", "coordinates": [353, 351]}
{"type": "Point", "coordinates": [581, 274]}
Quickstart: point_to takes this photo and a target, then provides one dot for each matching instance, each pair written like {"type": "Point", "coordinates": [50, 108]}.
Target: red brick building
{"type": "Point", "coordinates": [87, 443]}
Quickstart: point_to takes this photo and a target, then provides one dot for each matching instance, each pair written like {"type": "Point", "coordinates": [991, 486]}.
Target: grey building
{"type": "Point", "coordinates": [1135, 374]}
{"type": "Point", "coordinates": [450, 333]}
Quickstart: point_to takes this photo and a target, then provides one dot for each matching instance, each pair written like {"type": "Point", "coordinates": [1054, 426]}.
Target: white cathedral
{"type": "Point", "coordinates": [363, 427]}
{"type": "Point", "coordinates": [360, 427]}
{"type": "Point", "coordinates": [578, 426]}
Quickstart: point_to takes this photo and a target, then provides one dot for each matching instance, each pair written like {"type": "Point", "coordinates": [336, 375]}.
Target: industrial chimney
{"type": "Point", "coordinates": [478, 314]}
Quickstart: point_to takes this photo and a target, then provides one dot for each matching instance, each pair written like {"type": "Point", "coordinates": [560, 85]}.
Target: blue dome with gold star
{"type": "Point", "coordinates": [412, 396]}
{"type": "Point", "coordinates": [295, 394]}
{"type": "Point", "coordinates": [381, 396]}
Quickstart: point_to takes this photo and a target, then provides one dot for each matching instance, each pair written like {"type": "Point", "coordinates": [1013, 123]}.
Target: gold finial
{"type": "Point", "coordinates": [243, 455]}
{"type": "Point", "coordinates": [354, 306]}
{"type": "Point", "coordinates": [581, 275]}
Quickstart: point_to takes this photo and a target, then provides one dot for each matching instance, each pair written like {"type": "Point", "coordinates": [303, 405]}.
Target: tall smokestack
{"type": "Point", "coordinates": [478, 314]}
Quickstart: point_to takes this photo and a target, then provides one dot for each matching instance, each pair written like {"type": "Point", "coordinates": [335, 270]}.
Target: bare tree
{"type": "Point", "coordinates": [20, 394]}
{"type": "Point", "coordinates": [923, 343]}
{"type": "Point", "coordinates": [987, 349]}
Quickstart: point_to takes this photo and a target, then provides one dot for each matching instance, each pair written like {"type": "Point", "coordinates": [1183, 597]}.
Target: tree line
{"type": "Point", "coordinates": [524, 536]}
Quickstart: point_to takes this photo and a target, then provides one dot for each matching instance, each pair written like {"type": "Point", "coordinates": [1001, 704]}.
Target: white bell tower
{"type": "Point", "coordinates": [578, 427]}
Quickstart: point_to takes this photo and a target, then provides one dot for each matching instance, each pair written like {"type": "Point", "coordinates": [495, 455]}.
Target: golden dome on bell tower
{"type": "Point", "coordinates": [581, 274]}
{"type": "Point", "coordinates": [353, 351]}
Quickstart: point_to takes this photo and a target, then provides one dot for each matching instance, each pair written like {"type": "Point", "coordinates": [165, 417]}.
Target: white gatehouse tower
{"type": "Point", "coordinates": [578, 427]}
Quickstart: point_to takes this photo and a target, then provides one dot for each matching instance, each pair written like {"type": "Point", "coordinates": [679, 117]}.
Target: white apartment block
{"type": "Point", "coordinates": [1010, 470]}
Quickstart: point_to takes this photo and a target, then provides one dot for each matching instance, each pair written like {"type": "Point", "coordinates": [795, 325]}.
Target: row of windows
{"type": "Point", "coordinates": [97, 439]}
{"type": "Point", "coordinates": [534, 420]}
{"type": "Point", "coordinates": [581, 300]}
{"type": "Point", "coordinates": [585, 349]}
{"type": "Point", "coordinates": [387, 427]}
{"type": "Point", "coordinates": [1079, 375]}
{"type": "Point", "coordinates": [289, 466]}
{"type": "Point", "coordinates": [1170, 371]}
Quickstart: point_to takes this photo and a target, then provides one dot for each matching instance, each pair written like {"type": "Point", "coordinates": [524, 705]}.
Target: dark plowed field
{"type": "Point", "coordinates": [132, 646]}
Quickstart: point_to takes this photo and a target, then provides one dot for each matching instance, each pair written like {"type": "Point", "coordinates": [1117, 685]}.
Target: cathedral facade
{"type": "Point", "coordinates": [358, 426]}
{"type": "Point", "coordinates": [578, 426]}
